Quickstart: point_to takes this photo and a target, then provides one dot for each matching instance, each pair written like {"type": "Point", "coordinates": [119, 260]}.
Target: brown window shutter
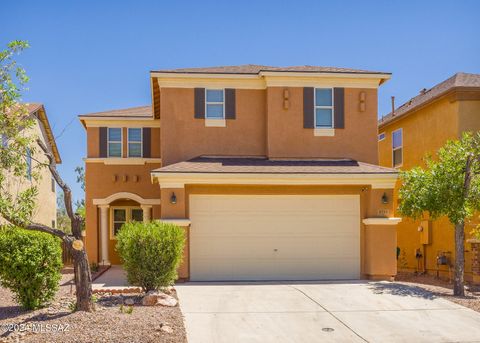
{"type": "Point", "coordinates": [230, 103]}
{"type": "Point", "coordinates": [339, 108]}
{"type": "Point", "coordinates": [147, 142]}
{"type": "Point", "coordinates": [308, 108]}
{"type": "Point", "coordinates": [199, 103]}
{"type": "Point", "coordinates": [103, 141]}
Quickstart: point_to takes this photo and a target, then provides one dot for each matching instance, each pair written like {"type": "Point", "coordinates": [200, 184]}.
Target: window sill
{"type": "Point", "coordinates": [215, 122]}
{"type": "Point", "coordinates": [318, 132]}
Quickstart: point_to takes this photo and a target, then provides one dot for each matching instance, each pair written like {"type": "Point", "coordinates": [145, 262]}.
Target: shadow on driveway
{"type": "Point", "coordinates": [401, 290]}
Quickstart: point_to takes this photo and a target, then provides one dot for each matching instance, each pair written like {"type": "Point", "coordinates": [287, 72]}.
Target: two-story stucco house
{"type": "Point", "coordinates": [273, 172]}
{"type": "Point", "coordinates": [419, 127]}
{"type": "Point", "coordinates": [45, 211]}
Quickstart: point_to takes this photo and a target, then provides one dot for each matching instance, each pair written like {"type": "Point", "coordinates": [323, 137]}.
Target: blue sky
{"type": "Point", "coordinates": [89, 56]}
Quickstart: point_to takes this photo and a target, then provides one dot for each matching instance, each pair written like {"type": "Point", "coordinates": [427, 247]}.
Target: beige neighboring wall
{"type": "Point", "coordinates": [45, 211]}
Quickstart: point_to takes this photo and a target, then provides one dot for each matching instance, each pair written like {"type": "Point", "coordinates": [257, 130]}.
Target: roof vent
{"type": "Point", "coordinates": [393, 105]}
{"type": "Point", "coordinates": [423, 91]}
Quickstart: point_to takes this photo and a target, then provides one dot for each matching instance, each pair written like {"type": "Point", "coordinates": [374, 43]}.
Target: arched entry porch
{"type": "Point", "coordinates": [117, 209]}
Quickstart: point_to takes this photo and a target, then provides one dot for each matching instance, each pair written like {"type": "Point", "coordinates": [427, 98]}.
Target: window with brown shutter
{"type": "Point", "coordinates": [339, 108]}
{"type": "Point", "coordinates": [103, 142]}
{"type": "Point", "coordinates": [308, 108]}
{"type": "Point", "coordinates": [230, 103]}
{"type": "Point", "coordinates": [147, 142]}
{"type": "Point", "coordinates": [199, 103]}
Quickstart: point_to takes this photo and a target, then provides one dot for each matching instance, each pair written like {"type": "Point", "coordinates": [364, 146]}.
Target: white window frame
{"type": "Point", "coordinates": [384, 135]}
{"type": "Point", "coordinates": [214, 103]}
{"type": "Point", "coordinates": [109, 141]}
{"type": "Point", "coordinates": [141, 142]}
{"type": "Point", "coordinates": [397, 148]}
{"type": "Point", "coordinates": [128, 217]}
{"type": "Point", "coordinates": [332, 107]}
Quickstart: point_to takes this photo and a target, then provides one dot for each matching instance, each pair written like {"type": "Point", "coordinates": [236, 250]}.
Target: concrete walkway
{"type": "Point", "coordinates": [322, 312]}
{"type": "Point", "coordinates": [114, 279]}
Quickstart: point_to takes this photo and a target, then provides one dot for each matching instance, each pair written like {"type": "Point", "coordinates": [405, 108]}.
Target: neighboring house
{"type": "Point", "coordinates": [273, 173]}
{"type": "Point", "coordinates": [417, 128]}
{"type": "Point", "coordinates": [45, 211]}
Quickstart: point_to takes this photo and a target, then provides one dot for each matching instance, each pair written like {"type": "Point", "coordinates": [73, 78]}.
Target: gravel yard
{"type": "Point", "coordinates": [442, 288]}
{"type": "Point", "coordinates": [107, 324]}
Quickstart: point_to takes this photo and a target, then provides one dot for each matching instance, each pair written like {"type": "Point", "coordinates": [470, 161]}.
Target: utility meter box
{"type": "Point", "coordinates": [425, 232]}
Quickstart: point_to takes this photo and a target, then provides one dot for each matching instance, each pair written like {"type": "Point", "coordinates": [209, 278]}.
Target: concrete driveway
{"type": "Point", "coordinates": [322, 312]}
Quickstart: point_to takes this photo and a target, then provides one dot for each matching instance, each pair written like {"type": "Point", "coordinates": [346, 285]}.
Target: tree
{"type": "Point", "coordinates": [448, 186]}
{"type": "Point", "coordinates": [17, 203]}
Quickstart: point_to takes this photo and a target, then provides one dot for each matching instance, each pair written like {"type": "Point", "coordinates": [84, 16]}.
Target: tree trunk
{"type": "Point", "coordinates": [458, 285]}
{"type": "Point", "coordinates": [83, 281]}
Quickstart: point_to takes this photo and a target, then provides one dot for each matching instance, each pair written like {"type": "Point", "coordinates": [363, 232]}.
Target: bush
{"type": "Point", "coordinates": [30, 265]}
{"type": "Point", "coordinates": [151, 253]}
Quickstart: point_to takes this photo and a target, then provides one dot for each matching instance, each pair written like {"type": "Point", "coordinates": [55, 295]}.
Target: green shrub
{"type": "Point", "coordinates": [30, 265]}
{"type": "Point", "coordinates": [151, 253]}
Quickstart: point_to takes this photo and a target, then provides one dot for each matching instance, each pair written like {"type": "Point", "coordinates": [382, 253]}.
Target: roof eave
{"type": "Point", "coordinates": [175, 179]}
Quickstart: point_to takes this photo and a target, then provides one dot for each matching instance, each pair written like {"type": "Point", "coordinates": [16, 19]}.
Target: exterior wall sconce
{"type": "Point", "coordinates": [384, 198]}
{"type": "Point", "coordinates": [173, 198]}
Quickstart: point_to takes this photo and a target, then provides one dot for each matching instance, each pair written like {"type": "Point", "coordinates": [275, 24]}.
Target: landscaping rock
{"type": "Point", "coordinates": [158, 298]}
{"type": "Point", "coordinates": [129, 302]}
{"type": "Point", "coordinates": [149, 300]}
{"type": "Point", "coordinates": [167, 300]}
{"type": "Point", "coordinates": [167, 329]}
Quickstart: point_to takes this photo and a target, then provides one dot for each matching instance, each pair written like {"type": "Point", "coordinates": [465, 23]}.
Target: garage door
{"type": "Point", "coordinates": [272, 237]}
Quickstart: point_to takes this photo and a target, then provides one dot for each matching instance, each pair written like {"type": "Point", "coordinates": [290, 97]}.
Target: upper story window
{"type": "Point", "coordinates": [29, 163]}
{"type": "Point", "coordinates": [214, 104]}
{"type": "Point", "coordinates": [53, 184]}
{"type": "Point", "coordinates": [381, 136]}
{"type": "Point", "coordinates": [323, 108]}
{"type": "Point", "coordinates": [134, 142]}
{"type": "Point", "coordinates": [114, 142]}
{"type": "Point", "coordinates": [397, 148]}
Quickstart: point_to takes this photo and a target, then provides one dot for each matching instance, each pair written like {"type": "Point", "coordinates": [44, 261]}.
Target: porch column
{"type": "Point", "coordinates": [146, 212]}
{"type": "Point", "coordinates": [104, 234]}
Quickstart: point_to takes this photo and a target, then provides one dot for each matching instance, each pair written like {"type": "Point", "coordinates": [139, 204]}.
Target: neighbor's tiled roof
{"type": "Point", "coordinates": [459, 80]}
{"type": "Point", "coordinates": [135, 112]}
{"type": "Point", "coordinates": [266, 166]}
{"type": "Point", "coordinates": [256, 69]}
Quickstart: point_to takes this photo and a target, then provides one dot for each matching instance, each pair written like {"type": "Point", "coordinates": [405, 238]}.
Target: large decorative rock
{"type": "Point", "coordinates": [158, 298]}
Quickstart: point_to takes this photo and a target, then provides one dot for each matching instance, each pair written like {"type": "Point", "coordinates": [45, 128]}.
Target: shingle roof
{"type": "Point", "coordinates": [135, 112]}
{"type": "Point", "coordinates": [266, 166]}
{"type": "Point", "coordinates": [459, 80]}
{"type": "Point", "coordinates": [256, 69]}
{"type": "Point", "coordinates": [41, 113]}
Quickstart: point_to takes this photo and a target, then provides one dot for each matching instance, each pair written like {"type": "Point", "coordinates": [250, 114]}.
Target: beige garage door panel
{"type": "Point", "coordinates": [295, 237]}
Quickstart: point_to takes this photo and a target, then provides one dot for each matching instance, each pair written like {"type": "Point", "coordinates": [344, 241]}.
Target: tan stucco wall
{"type": "Point", "coordinates": [380, 251]}
{"type": "Point", "coordinates": [45, 211]}
{"type": "Point", "coordinates": [424, 132]}
{"type": "Point", "coordinates": [288, 138]}
{"type": "Point", "coordinates": [264, 128]}
{"type": "Point", "coordinates": [469, 115]}
{"type": "Point", "coordinates": [184, 137]}
{"type": "Point", "coordinates": [100, 184]}
{"type": "Point", "coordinates": [370, 202]}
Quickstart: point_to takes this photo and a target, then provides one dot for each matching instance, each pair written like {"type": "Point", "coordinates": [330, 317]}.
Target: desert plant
{"type": "Point", "coordinates": [151, 253]}
{"type": "Point", "coordinates": [30, 264]}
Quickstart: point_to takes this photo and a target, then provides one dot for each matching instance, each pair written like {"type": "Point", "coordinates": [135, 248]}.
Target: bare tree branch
{"type": "Point", "coordinates": [67, 193]}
